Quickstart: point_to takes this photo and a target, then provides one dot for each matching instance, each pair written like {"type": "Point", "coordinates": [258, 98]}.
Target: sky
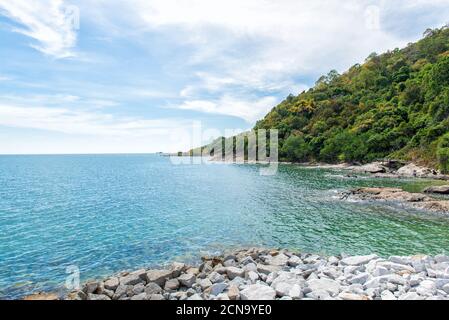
{"type": "Point", "coordinates": [141, 76]}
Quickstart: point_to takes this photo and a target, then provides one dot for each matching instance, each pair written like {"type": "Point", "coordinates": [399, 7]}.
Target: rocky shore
{"type": "Point", "coordinates": [398, 196]}
{"type": "Point", "coordinates": [263, 274]}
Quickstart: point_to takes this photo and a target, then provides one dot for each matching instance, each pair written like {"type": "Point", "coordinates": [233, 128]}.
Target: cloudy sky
{"type": "Point", "coordinates": [111, 76]}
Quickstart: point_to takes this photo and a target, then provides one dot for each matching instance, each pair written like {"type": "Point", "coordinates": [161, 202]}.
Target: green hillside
{"type": "Point", "coordinates": [394, 105]}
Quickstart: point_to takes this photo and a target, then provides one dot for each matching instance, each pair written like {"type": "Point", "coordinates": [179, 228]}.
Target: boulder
{"type": "Point", "coordinates": [412, 170]}
{"type": "Point", "coordinates": [215, 277]}
{"type": "Point", "coordinates": [328, 285]}
{"type": "Point", "coordinates": [171, 285]}
{"type": "Point", "coordinates": [217, 288]}
{"type": "Point", "coordinates": [153, 288]}
{"type": "Point", "coordinates": [233, 292]}
{"type": "Point", "coordinates": [387, 295]}
{"type": "Point", "coordinates": [358, 260]}
{"type": "Point", "coordinates": [352, 296]}
{"type": "Point", "coordinates": [267, 269]}
{"type": "Point", "coordinates": [111, 283]}
{"type": "Point", "coordinates": [233, 272]}
{"type": "Point", "coordinates": [159, 276]}
{"type": "Point", "coordinates": [204, 283]}
{"type": "Point", "coordinates": [258, 292]}
{"type": "Point", "coordinates": [187, 279]}
{"type": "Point", "coordinates": [130, 280]}
{"type": "Point", "coordinates": [437, 189]}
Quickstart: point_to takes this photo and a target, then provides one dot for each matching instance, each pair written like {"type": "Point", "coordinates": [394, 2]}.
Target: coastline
{"type": "Point", "coordinates": [277, 274]}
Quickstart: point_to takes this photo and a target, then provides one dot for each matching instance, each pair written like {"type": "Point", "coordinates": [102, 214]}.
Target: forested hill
{"type": "Point", "coordinates": [394, 105]}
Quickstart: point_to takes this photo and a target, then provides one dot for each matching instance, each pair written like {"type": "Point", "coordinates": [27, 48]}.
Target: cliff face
{"type": "Point", "coordinates": [394, 105]}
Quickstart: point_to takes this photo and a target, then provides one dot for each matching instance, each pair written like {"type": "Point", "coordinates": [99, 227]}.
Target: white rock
{"type": "Point", "coordinates": [258, 292]}
{"type": "Point", "coordinates": [233, 272]}
{"type": "Point", "coordinates": [218, 288]}
{"type": "Point", "coordinates": [159, 276]}
{"type": "Point", "coordinates": [387, 295]}
{"type": "Point", "coordinates": [279, 260]}
{"type": "Point", "coordinates": [352, 296]}
{"type": "Point", "coordinates": [358, 260]}
{"type": "Point", "coordinates": [111, 283]}
{"type": "Point", "coordinates": [360, 278]}
{"type": "Point", "coordinates": [215, 277]}
{"type": "Point", "coordinates": [204, 283]}
{"type": "Point", "coordinates": [328, 285]}
{"type": "Point", "coordinates": [252, 276]}
{"type": "Point", "coordinates": [195, 297]}
{"type": "Point", "coordinates": [426, 288]}
{"type": "Point", "coordinates": [446, 288]}
{"type": "Point", "coordinates": [294, 261]}
{"type": "Point", "coordinates": [267, 269]}
{"type": "Point", "coordinates": [410, 296]}
{"type": "Point", "coordinates": [187, 279]}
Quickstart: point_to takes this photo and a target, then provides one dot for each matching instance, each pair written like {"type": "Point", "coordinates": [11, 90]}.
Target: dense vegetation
{"type": "Point", "coordinates": [395, 105]}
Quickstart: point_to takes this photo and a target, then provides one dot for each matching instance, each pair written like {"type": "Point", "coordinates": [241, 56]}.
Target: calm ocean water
{"type": "Point", "coordinates": [107, 213]}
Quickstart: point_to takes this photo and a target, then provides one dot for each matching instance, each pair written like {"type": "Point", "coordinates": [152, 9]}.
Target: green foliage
{"type": "Point", "coordinates": [296, 149]}
{"type": "Point", "coordinates": [443, 153]}
{"type": "Point", "coordinates": [394, 105]}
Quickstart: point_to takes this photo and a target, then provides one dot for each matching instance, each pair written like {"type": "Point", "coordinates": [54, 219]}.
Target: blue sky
{"type": "Point", "coordinates": [135, 76]}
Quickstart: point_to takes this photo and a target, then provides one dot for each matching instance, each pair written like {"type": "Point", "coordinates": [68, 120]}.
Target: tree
{"type": "Point", "coordinates": [443, 153]}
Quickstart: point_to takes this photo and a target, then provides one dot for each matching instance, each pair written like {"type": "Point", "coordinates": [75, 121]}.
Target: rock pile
{"type": "Point", "coordinates": [262, 274]}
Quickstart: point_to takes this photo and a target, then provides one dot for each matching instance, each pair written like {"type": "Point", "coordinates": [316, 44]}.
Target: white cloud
{"type": "Point", "coordinates": [51, 23]}
{"type": "Point", "coordinates": [262, 45]}
{"type": "Point", "coordinates": [68, 121]}
{"type": "Point", "coordinates": [248, 109]}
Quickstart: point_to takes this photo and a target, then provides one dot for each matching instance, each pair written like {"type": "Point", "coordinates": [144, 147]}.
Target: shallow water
{"type": "Point", "coordinates": [113, 212]}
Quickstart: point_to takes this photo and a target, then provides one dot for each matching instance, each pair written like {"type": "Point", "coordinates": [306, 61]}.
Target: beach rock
{"type": "Point", "coordinates": [258, 292]}
{"type": "Point", "coordinates": [153, 288]}
{"type": "Point", "coordinates": [410, 296]}
{"type": "Point", "coordinates": [177, 268]}
{"type": "Point", "coordinates": [130, 280]}
{"type": "Point", "coordinates": [187, 279]}
{"type": "Point", "coordinates": [204, 283]}
{"type": "Point", "coordinates": [195, 297]}
{"type": "Point", "coordinates": [90, 287]}
{"type": "Point", "coordinates": [92, 296]}
{"type": "Point", "coordinates": [138, 288]}
{"type": "Point", "coordinates": [361, 278]}
{"type": "Point", "coordinates": [140, 296]}
{"type": "Point", "coordinates": [412, 170]}
{"type": "Point", "coordinates": [233, 293]}
{"type": "Point", "coordinates": [111, 283]}
{"type": "Point", "coordinates": [159, 276]}
{"type": "Point", "coordinates": [358, 260]}
{"type": "Point", "coordinates": [374, 167]}
{"type": "Point", "coordinates": [328, 285]}
{"type": "Point", "coordinates": [352, 296]}
{"type": "Point", "coordinates": [252, 276]}
{"type": "Point", "coordinates": [278, 260]}
{"type": "Point", "coordinates": [171, 285]}
{"type": "Point", "coordinates": [294, 261]}
{"type": "Point", "coordinates": [156, 297]}
{"type": "Point", "coordinates": [215, 277]}
{"type": "Point", "coordinates": [267, 269]}
{"type": "Point", "coordinates": [217, 288]}
{"type": "Point", "coordinates": [437, 190]}
{"type": "Point", "coordinates": [387, 295]}
{"type": "Point", "coordinates": [233, 272]}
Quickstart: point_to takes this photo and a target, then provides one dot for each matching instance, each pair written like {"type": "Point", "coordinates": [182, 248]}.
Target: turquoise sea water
{"type": "Point", "coordinates": [107, 213]}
